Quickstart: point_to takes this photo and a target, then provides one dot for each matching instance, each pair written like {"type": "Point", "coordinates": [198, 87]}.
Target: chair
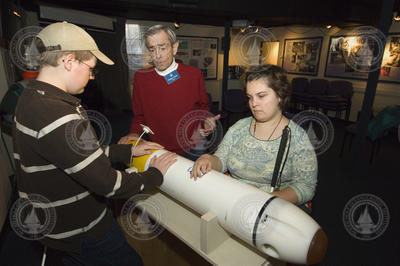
{"type": "Point", "coordinates": [317, 88]}
{"type": "Point", "coordinates": [338, 98]}
{"type": "Point", "coordinates": [234, 103]}
{"type": "Point", "coordinates": [308, 98]}
{"type": "Point", "coordinates": [299, 86]}
{"type": "Point", "coordinates": [378, 127]}
{"type": "Point", "coordinates": [385, 120]}
{"type": "Point", "coordinates": [351, 131]}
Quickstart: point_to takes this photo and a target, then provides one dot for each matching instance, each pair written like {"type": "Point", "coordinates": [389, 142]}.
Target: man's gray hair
{"type": "Point", "coordinates": [156, 29]}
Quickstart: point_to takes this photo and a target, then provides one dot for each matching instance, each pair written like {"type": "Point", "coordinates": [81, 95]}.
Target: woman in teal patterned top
{"type": "Point", "coordinates": [249, 148]}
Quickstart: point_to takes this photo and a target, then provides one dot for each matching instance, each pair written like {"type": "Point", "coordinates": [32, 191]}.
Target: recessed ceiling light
{"type": "Point", "coordinates": [177, 25]}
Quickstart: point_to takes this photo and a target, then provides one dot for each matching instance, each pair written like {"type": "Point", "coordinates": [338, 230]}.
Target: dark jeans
{"type": "Point", "coordinates": [111, 250]}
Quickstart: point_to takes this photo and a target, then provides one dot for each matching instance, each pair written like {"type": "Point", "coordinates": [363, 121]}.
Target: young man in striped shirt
{"type": "Point", "coordinates": [74, 176]}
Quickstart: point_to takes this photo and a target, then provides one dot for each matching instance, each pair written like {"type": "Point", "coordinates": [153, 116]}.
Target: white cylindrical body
{"type": "Point", "coordinates": [275, 226]}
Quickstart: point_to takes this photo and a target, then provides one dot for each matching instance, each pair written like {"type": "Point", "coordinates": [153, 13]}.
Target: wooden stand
{"type": "Point", "coordinates": [204, 235]}
{"type": "Point", "coordinates": [211, 234]}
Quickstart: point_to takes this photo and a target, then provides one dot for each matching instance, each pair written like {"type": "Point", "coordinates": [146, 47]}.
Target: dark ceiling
{"type": "Point", "coordinates": [265, 13]}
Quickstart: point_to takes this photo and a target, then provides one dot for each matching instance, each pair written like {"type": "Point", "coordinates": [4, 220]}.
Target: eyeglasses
{"type": "Point", "coordinates": [160, 48]}
{"type": "Point", "coordinates": [92, 70]}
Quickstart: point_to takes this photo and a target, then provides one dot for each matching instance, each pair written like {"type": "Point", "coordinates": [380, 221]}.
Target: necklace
{"type": "Point", "coordinates": [255, 125]}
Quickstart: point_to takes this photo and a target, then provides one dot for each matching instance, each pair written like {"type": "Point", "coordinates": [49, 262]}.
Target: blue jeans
{"type": "Point", "coordinates": [111, 250]}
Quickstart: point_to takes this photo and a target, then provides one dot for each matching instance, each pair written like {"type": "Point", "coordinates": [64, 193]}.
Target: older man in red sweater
{"type": "Point", "coordinates": [167, 94]}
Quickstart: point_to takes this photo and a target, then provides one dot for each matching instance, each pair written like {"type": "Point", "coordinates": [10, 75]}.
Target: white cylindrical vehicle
{"type": "Point", "coordinates": [275, 226]}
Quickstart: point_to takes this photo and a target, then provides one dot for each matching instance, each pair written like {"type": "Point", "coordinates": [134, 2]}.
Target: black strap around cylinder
{"type": "Point", "coordinates": [259, 217]}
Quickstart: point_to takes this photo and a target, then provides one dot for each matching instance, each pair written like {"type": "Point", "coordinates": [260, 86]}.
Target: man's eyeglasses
{"type": "Point", "coordinates": [159, 48]}
{"type": "Point", "coordinates": [92, 70]}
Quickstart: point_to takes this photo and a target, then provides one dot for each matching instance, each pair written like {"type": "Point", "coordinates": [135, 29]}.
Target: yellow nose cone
{"type": "Point", "coordinates": [140, 161]}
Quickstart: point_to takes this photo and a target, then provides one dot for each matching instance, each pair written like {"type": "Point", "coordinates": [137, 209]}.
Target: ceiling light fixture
{"type": "Point", "coordinates": [328, 26]}
{"type": "Point", "coordinates": [16, 14]}
{"type": "Point", "coordinates": [177, 25]}
{"type": "Point", "coordinates": [396, 16]}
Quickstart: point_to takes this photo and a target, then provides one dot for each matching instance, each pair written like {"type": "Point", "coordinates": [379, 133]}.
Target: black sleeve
{"type": "Point", "coordinates": [119, 153]}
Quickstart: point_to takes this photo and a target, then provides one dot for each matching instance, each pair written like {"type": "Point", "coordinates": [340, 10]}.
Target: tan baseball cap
{"type": "Point", "coordinates": [64, 36]}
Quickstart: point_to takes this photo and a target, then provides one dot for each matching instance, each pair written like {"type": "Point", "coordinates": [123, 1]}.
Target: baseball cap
{"type": "Point", "coordinates": [64, 36]}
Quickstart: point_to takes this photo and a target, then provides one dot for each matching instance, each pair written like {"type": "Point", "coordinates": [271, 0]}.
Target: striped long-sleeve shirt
{"type": "Point", "coordinates": [75, 181]}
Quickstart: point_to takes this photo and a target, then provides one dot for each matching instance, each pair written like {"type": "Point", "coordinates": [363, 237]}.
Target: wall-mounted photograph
{"type": "Point", "coordinates": [350, 56]}
{"type": "Point", "coordinates": [301, 56]}
{"type": "Point", "coordinates": [200, 52]}
{"type": "Point", "coordinates": [390, 69]}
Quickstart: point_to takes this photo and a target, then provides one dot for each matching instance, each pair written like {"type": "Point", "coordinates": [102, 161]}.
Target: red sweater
{"type": "Point", "coordinates": [161, 106]}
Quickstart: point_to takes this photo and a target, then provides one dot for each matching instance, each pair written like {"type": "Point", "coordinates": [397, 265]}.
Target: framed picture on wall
{"type": "Point", "coordinates": [201, 52]}
{"type": "Point", "coordinates": [350, 56]}
{"type": "Point", "coordinates": [301, 56]}
{"type": "Point", "coordinates": [390, 68]}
